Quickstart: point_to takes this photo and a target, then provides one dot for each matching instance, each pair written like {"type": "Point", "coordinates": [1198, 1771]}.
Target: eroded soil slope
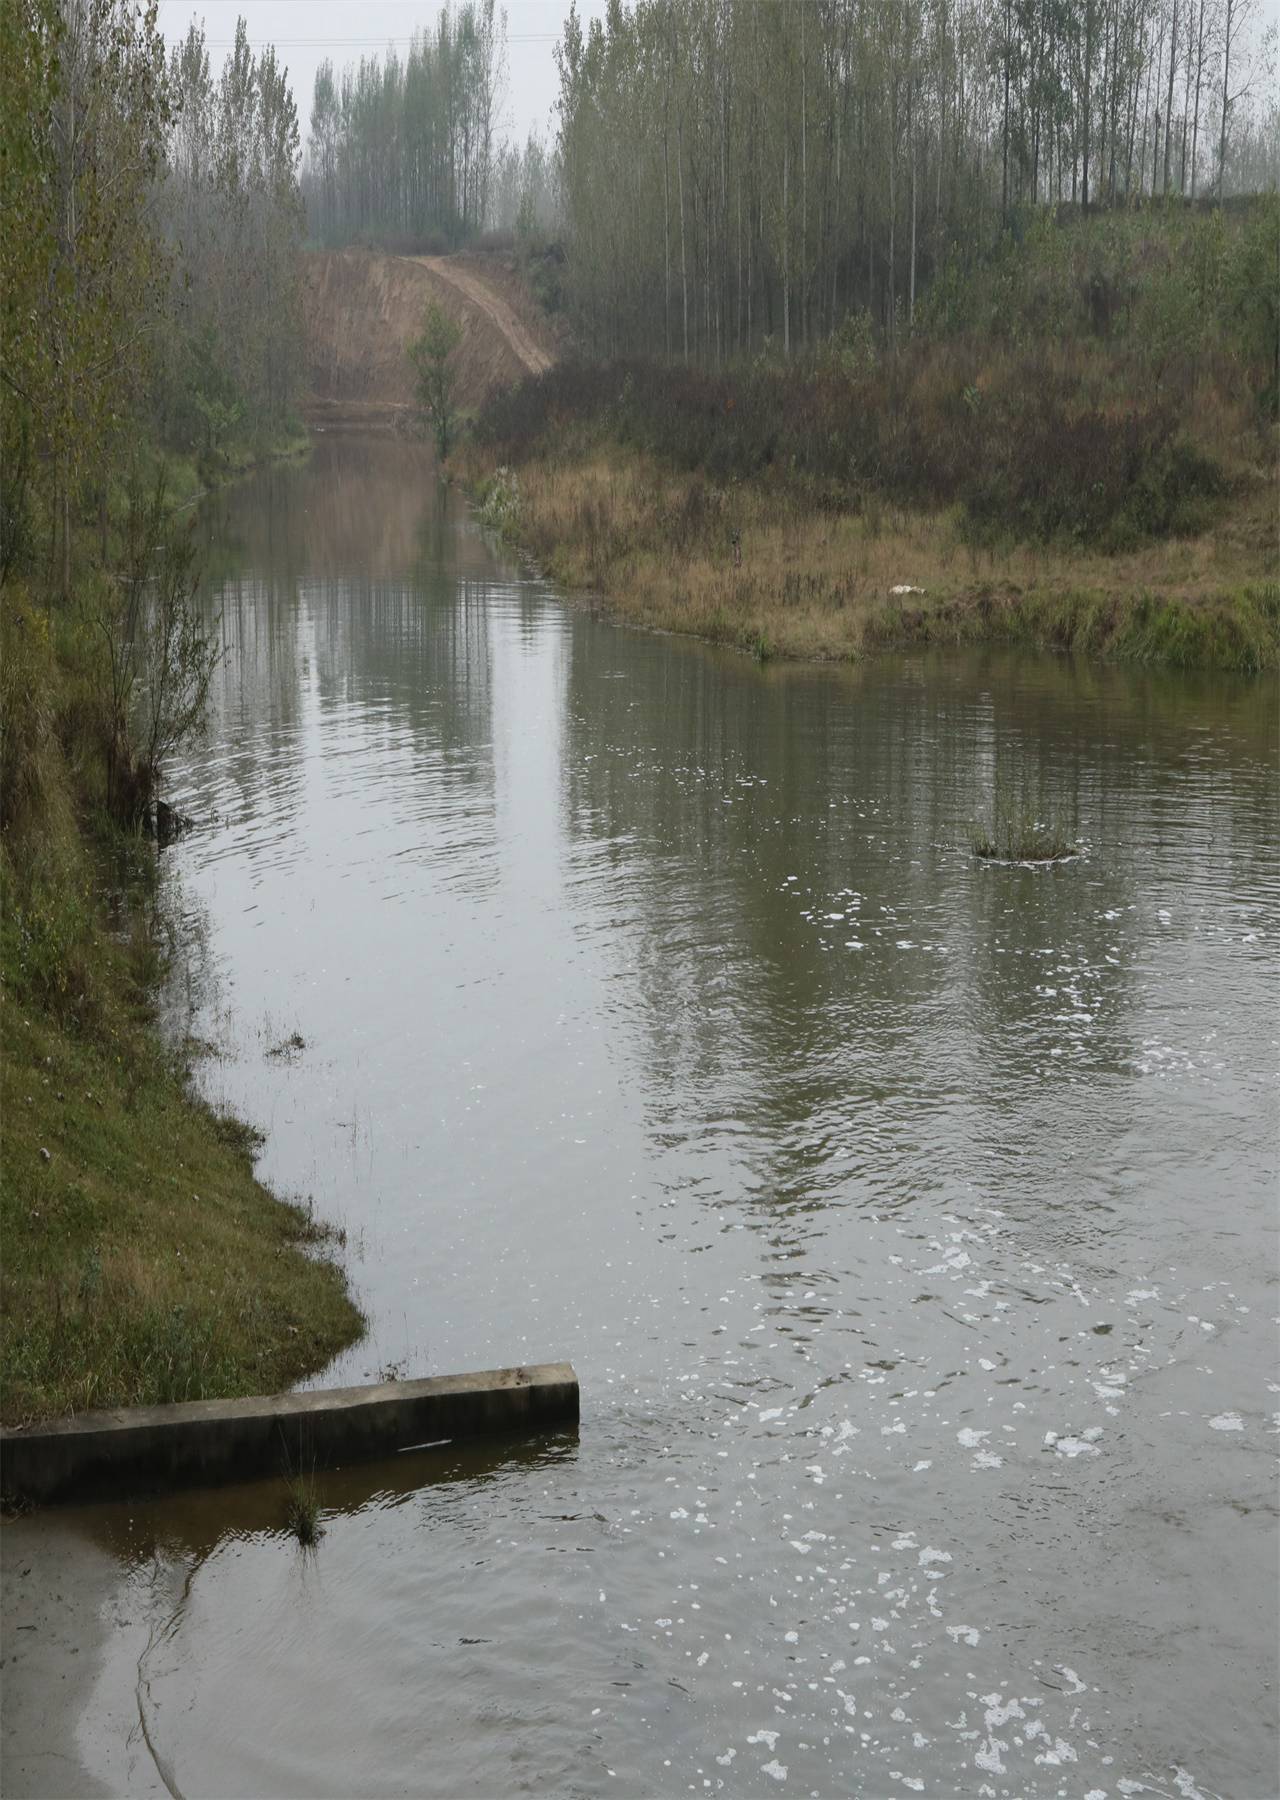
{"type": "Point", "coordinates": [362, 308]}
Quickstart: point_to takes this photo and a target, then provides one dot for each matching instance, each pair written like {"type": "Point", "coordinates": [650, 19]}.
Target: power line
{"type": "Point", "coordinates": [279, 43]}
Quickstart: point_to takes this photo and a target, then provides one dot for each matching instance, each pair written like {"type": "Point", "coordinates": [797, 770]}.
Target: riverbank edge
{"type": "Point", "coordinates": [192, 478]}
{"type": "Point", "coordinates": [757, 571]}
{"type": "Point", "coordinates": [139, 1448]}
{"type": "Point", "coordinates": [144, 1261]}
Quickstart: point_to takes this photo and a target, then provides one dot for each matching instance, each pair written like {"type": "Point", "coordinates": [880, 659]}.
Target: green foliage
{"type": "Point", "coordinates": [153, 676]}
{"type": "Point", "coordinates": [853, 347]}
{"type": "Point", "coordinates": [229, 359]}
{"type": "Point", "coordinates": [500, 501]}
{"type": "Point", "coordinates": [431, 354]}
{"type": "Point", "coordinates": [401, 151]}
{"type": "Point", "coordinates": [1252, 284]}
{"type": "Point", "coordinates": [29, 34]}
{"type": "Point", "coordinates": [732, 172]}
{"type": "Point", "coordinates": [302, 1507]}
{"type": "Point", "coordinates": [142, 1262]}
{"type": "Point", "coordinates": [1164, 287]}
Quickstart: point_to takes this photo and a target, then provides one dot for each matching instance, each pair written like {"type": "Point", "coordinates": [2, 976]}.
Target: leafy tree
{"type": "Point", "coordinates": [158, 658]}
{"type": "Point", "coordinates": [431, 354]}
{"type": "Point", "coordinates": [402, 150]}
{"type": "Point", "coordinates": [28, 30]}
{"type": "Point", "coordinates": [232, 211]}
{"type": "Point", "coordinates": [735, 173]}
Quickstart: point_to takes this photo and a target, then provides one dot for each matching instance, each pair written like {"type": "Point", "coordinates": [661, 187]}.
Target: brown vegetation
{"type": "Point", "coordinates": [1029, 464]}
{"type": "Point", "coordinates": [659, 546]}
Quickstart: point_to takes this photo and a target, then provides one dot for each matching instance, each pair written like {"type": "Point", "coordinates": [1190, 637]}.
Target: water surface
{"type": "Point", "coordinates": [910, 1221]}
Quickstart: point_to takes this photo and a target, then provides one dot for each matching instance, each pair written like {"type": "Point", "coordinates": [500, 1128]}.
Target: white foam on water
{"type": "Point", "coordinates": [1226, 1421]}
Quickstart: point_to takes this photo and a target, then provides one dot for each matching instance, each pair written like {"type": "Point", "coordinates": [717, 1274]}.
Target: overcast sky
{"type": "Point", "coordinates": [306, 31]}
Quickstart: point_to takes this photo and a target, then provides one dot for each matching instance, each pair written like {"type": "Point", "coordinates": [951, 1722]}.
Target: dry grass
{"type": "Point", "coordinates": [659, 546]}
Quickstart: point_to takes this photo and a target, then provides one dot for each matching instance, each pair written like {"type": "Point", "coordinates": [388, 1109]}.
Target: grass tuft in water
{"type": "Point", "coordinates": [1018, 833]}
{"type": "Point", "coordinates": [302, 1513]}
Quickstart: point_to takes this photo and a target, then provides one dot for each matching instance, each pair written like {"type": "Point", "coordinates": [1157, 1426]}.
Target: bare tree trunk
{"type": "Point", "coordinates": [684, 267]}
{"type": "Point", "coordinates": [1168, 107]}
{"type": "Point", "coordinates": [1195, 127]}
{"type": "Point", "coordinates": [911, 300]}
{"type": "Point", "coordinates": [786, 245]}
{"type": "Point", "coordinates": [893, 213]}
{"type": "Point", "coordinates": [1088, 96]}
{"type": "Point", "coordinates": [1226, 98]}
{"type": "Point", "coordinates": [666, 234]}
{"type": "Point", "coordinates": [1004, 135]}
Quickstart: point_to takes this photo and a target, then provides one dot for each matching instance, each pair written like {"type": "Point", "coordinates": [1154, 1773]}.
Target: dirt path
{"type": "Point", "coordinates": [495, 309]}
{"type": "Point", "coordinates": [362, 310]}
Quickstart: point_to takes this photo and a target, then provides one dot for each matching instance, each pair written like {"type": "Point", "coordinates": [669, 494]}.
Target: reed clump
{"type": "Point", "coordinates": [302, 1510]}
{"type": "Point", "coordinates": [1023, 832]}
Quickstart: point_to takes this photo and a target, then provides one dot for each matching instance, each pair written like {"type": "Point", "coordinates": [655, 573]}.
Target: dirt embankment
{"type": "Point", "coordinates": [362, 308]}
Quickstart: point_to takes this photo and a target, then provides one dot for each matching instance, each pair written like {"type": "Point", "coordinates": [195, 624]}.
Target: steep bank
{"type": "Point", "coordinates": [362, 308]}
{"type": "Point", "coordinates": [142, 1260]}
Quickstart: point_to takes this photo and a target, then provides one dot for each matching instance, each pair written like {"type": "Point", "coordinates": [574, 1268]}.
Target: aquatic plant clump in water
{"type": "Point", "coordinates": [1018, 835]}
{"type": "Point", "coordinates": [302, 1515]}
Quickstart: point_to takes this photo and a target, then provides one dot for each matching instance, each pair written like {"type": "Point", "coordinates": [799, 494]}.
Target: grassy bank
{"type": "Point", "coordinates": [658, 546]}
{"type": "Point", "coordinates": [142, 1260]}
{"type": "Point", "coordinates": [189, 475]}
{"type": "Point", "coordinates": [1076, 446]}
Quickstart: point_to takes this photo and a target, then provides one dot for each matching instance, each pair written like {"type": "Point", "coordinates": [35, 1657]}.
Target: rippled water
{"type": "Point", "coordinates": [910, 1221]}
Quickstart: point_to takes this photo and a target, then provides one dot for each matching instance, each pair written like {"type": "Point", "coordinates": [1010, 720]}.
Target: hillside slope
{"type": "Point", "coordinates": [362, 308]}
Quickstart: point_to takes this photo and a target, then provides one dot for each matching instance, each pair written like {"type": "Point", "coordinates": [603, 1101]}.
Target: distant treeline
{"type": "Point", "coordinates": [148, 264]}
{"type": "Point", "coordinates": [232, 214]}
{"type": "Point", "coordinates": [403, 152]}
{"type": "Point", "coordinates": [741, 170]}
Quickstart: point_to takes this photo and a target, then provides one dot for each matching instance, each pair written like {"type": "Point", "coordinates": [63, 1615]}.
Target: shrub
{"type": "Point", "coordinates": [1018, 442]}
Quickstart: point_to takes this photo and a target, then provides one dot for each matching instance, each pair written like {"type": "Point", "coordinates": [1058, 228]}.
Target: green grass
{"type": "Point", "coordinates": [1234, 629]}
{"type": "Point", "coordinates": [302, 1509]}
{"type": "Point", "coordinates": [143, 1262]}
{"type": "Point", "coordinates": [190, 476]}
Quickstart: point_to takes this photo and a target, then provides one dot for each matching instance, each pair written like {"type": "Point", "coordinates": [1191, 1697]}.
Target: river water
{"type": "Point", "coordinates": [910, 1221]}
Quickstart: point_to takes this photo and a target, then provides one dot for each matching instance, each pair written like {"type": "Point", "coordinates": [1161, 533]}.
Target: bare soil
{"type": "Point", "coordinates": [363, 308]}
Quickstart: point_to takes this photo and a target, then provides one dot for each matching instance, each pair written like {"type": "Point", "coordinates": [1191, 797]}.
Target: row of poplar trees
{"type": "Point", "coordinates": [740, 170]}
{"type": "Point", "coordinates": [402, 151]}
{"type": "Point", "coordinates": [148, 275]}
